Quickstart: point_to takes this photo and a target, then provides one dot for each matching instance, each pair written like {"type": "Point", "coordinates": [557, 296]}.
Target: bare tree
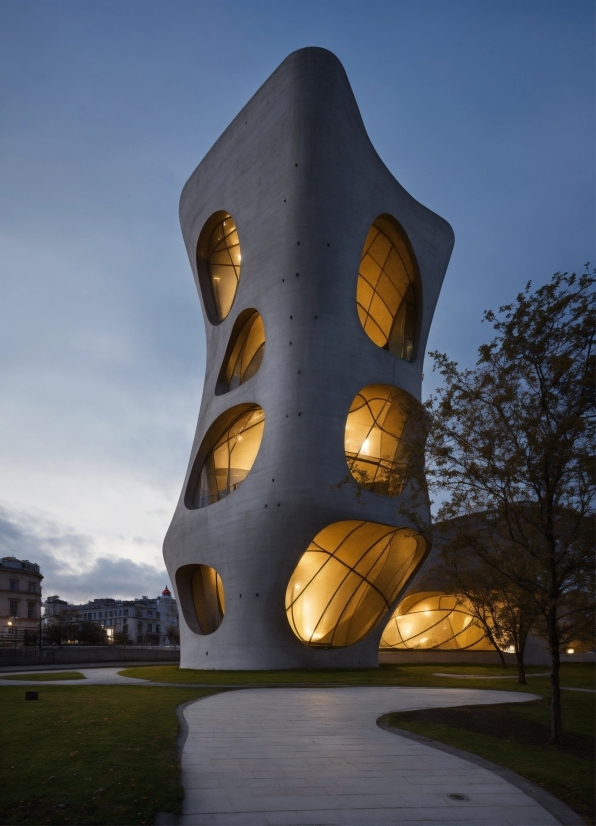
{"type": "Point", "coordinates": [513, 438]}
{"type": "Point", "coordinates": [497, 603]}
{"type": "Point", "coordinates": [173, 633]}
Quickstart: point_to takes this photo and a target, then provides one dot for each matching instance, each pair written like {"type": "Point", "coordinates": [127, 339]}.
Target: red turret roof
{"type": "Point", "coordinates": [166, 592]}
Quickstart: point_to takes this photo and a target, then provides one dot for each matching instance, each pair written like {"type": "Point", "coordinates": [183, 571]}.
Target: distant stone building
{"type": "Point", "coordinates": [145, 621]}
{"type": "Point", "coordinates": [20, 599]}
{"type": "Point", "coordinates": [53, 605]}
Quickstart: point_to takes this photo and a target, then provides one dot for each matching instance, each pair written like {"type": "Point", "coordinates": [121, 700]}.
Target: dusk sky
{"type": "Point", "coordinates": [483, 111]}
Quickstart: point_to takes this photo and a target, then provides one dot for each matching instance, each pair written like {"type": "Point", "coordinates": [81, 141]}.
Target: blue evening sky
{"type": "Point", "coordinates": [482, 109]}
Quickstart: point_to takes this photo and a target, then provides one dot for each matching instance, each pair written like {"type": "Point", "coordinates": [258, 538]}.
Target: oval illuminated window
{"type": "Point", "coordinates": [245, 352]}
{"type": "Point", "coordinates": [202, 600]}
{"type": "Point", "coordinates": [433, 619]}
{"type": "Point", "coordinates": [218, 251]}
{"type": "Point", "coordinates": [386, 293]}
{"type": "Point", "coordinates": [227, 455]}
{"type": "Point", "coordinates": [347, 579]}
{"type": "Point", "coordinates": [377, 453]}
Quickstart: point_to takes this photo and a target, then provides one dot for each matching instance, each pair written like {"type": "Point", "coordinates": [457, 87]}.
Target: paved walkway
{"type": "Point", "coordinates": [455, 676]}
{"type": "Point", "coordinates": [316, 756]}
{"type": "Point", "coordinates": [93, 676]}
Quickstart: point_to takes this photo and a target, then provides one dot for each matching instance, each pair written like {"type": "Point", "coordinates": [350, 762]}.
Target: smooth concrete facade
{"type": "Point", "coordinates": [303, 183]}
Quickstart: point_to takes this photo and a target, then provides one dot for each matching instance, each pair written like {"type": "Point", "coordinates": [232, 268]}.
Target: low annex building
{"type": "Point", "coordinates": [20, 599]}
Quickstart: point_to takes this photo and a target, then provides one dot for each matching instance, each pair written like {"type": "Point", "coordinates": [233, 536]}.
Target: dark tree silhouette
{"type": "Point", "coordinates": [514, 438]}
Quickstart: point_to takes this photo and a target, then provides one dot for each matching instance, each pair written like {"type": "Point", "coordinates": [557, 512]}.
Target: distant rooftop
{"type": "Point", "coordinates": [19, 564]}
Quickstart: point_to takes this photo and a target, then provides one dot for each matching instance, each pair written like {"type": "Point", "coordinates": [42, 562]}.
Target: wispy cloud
{"type": "Point", "coordinates": [107, 109]}
{"type": "Point", "coordinates": [69, 560]}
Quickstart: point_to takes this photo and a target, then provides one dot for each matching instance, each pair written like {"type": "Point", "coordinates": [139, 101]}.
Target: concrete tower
{"type": "Point", "coordinates": [318, 276]}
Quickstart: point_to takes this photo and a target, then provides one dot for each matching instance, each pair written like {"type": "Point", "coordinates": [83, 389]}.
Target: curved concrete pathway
{"type": "Point", "coordinates": [93, 676]}
{"type": "Point", "coordinates": [316, 756]}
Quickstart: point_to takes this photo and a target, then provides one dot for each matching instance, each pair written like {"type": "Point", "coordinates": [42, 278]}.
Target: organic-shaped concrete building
{"type": "Point", "coordinates": [318, 276]}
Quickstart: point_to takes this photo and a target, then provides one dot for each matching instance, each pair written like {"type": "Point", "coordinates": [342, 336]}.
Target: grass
{"type": "Point", "coordinates": [516, 737]}
{"type": "Point", "coordinates": [577, 675]}
{"type": "Point", "coordinates": [90, 755]}
{"type": "Point", "coordinates": [47, 676]}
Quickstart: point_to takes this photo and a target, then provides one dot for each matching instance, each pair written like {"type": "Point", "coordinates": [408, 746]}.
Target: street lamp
{"type": "Point", "coordinates": [12, 623]}
{"type": "Point", "coordinates": [40, 623]}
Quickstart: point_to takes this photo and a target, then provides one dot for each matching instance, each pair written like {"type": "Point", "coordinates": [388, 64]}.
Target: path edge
{"type": "Point", "coordinates": [561, 811]}
{"type": "Point", "coordinates": [170, 818]}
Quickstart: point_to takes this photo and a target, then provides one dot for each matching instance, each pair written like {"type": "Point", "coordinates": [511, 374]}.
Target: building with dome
{"type": "Point", "coordinates": [143, 621]}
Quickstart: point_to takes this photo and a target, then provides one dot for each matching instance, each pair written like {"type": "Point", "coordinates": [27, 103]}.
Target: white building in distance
{"type": "Point", "coordinates": [145, 621]}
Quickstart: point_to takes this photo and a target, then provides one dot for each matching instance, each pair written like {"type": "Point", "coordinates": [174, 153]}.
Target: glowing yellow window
{"type": "Point", "coordinates": [434, 620]}
{"type": "Point", "coordinates": [230, 459]}
{"type": "Point", "coordinates": [347, 579]}
{"type": "Point", "coordinates": [223, 258]}
{"type": "Point", "coordinates": [245, 352]}
{"type": "Point", "coordinates": [376, 451]}
{"type": "Point", "coordinates": [386, 290]}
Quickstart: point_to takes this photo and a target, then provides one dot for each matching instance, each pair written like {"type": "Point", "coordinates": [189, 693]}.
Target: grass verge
{"type": "Point", "coordinates": [516, 737]}
{"type": "Point", "coordinates": [90, 755]}
{"type": "Point", "coordinates": [46, 676]}
{"type": "Point", "coordinates": [577, 675]}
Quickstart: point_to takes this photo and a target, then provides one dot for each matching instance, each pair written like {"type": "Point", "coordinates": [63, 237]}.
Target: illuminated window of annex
{"type": "Point", "coordinates": [230, 459]}
{"type": "Point", "coordinates": [202, 598]}
{"type": "Point", "coordinates": [223, 261]}
{"type": "Point", "coordinates": [386, 290]}
{"type": "Point", "coordinates": [434, 620]}
{"type": "Point", "coordinates": [245, 352]}
{"type": "Point", "coordinates": [347, 580]}
{"type": "Point", "coordinates": [376, 453]}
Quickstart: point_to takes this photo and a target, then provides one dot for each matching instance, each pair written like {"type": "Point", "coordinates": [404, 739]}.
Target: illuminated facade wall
{"type": "Point", "coordinates": [318, 276]}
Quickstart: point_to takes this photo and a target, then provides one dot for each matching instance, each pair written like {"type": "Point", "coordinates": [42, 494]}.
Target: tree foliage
{"type": "Point", "coordinates": [498, 604]}
{"type": "Point", "coordinates": [173, 632]}
{"type": "Point", "coordinates": [68, 627]}
{"type": "Point", "coordinates": [513, 439]}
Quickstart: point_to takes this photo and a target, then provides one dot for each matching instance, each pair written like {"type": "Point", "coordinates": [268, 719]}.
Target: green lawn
{"type": "Point", "coordinates": [46, 676]}
{"type": "Point", "coordinates": [90, 754]}
{"type": "Point", "coordinates": [573, 674]}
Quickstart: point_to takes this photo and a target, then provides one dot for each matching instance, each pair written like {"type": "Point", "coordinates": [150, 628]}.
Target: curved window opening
{"type": "Point", "coordinates": [347, 579]}
{"type": "Point", "coordinates": [232, 455]}
{"type": "Point", "coordinates": [202, 600]}
{"type": "Point", "coordinates": [245, 352]}
{"type": "Point", "coordinates": [433, 619]}
{"type": "Point", "coordinates": [386, 290]}
{"type": "Point", "coordinates": [377, 453]}
{"type": "Point", "coordinates": [219, 250]}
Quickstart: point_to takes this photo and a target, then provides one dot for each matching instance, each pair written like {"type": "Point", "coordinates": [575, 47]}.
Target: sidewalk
{"type": "Point", "coordinates": [316, 756]}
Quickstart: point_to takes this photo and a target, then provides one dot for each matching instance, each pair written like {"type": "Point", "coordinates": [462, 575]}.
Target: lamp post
{"type": "Point", "coordinates": [12, 623]}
